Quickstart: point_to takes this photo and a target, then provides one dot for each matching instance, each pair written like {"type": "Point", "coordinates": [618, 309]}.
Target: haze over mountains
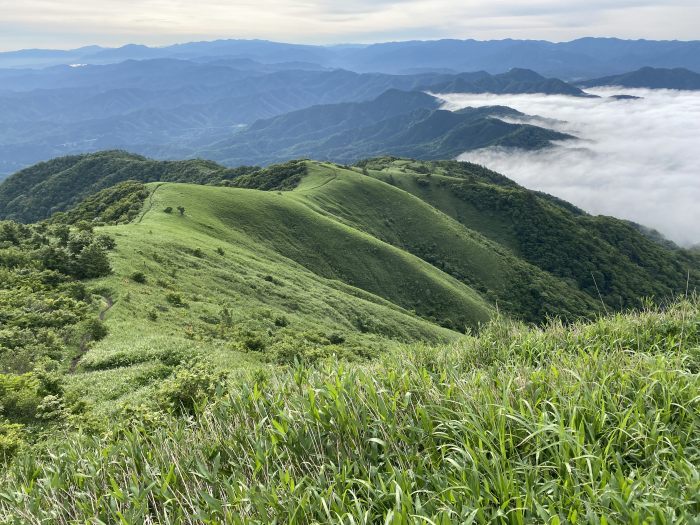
{"type": "Point", "coordinates": [174, 109]}
{"type": "Point", "coordinates": [585, 57]}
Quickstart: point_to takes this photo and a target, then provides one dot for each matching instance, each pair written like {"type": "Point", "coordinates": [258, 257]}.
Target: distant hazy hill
{"type": "Point", "coordinates": [515, 81]}
{"type": "Point", "coordinates": [531, 253]}
{"type": "Point", "coordinates": [168, 108]}
{"type": "Point", "coordinates": [582, 58]}
{"type": "Point", "coordinates": [396, 123]}
{"type": "Point", "coordinates": [649, 77]}
{"type": "Point", "coordinates": [163, 107]}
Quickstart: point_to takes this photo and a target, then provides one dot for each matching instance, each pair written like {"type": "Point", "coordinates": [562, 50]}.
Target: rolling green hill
{"type": "Point", "coordinates": [505, 231]}
{"type": "Point", "coordinates": [277, 328]}
{"type": "Point", "coordinates": [38, 191]}
{"type": "Point", "coordinates": [607, 258]}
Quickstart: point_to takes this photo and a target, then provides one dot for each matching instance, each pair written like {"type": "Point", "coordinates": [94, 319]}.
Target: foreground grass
{"type": "Point", "coordinates": [593, 423]}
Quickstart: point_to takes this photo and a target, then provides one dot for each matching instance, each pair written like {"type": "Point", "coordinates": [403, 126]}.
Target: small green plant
{"type": "Point", "coordinates": [168, 209]}
{"type": "Point", "coordinates": [181, 209]}
{"type": "Point", "coordinates": [175, 299]}
{"type": "Point", "coordinates": [152, 314]}
{"type": "Point", "coordinates": [336, 338]}
{"type": "Point", "coordinates": [138, 277]}
{"type": "Point", "coordinates": [254, 343]}
{"type": "Point", "coordinates": [192, 384]}
{"type": "Point", "coordinates": [220, 251]}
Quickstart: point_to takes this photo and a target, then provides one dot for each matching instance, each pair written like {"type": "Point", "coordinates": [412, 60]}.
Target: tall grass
{"type": "Point", "coordinates": [593, 423]}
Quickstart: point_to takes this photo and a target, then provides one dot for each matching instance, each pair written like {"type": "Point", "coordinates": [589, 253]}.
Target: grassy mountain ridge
{"type": "Point", "coordinates": [289, 276]}
{"type": "Point", "coordinates": [409, 223]}
{"type": "Point", "coordinates": [340, 263]}
{"type": "Point", "coordinates": [577, 259]}
{"type": "Point", "coordinates": [602, 255]}
{"type": "Point", "coordinates": [234, 351]}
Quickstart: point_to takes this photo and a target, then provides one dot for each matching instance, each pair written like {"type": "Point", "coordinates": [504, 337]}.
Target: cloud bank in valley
{"type": "Point", "coordinates": [634, 159]}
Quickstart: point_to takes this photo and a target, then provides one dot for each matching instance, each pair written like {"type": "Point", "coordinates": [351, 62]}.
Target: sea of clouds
{"type": "Point", "coordinates": [633, 159]}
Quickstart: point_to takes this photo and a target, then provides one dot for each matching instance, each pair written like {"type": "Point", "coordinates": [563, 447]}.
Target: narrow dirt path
{"type": "Point", "coordinates": [83, 347]}
{"type": "Point", "coordinates": [150, 202]}
{"type": "Point", "coordinates": [109, 303]}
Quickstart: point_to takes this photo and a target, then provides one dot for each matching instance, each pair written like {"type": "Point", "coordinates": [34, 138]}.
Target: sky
{"type": "Point", "coordinates": [636, 160]}
{"type": "Point", "coordinates": [64, 24]}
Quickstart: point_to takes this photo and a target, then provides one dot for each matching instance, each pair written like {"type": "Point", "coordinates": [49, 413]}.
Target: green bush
{"type": "Point", "coordinates": [138, 277]}
{"type": "Point", "coordinates": [175, 299]}
{"type": "Point", "coordinates": [281, 321]}
{"type": "Point", "coordinates": [11, 440]}
{"type": "Point", "coordinates": [190, 385]}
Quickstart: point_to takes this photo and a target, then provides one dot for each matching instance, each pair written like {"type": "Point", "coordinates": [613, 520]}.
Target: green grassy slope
{"type": "Point", "coordinates": [284, 271]}
{"type": "Point", "coordinates": [595, 423]}
{"type": "Point", "coordinates": [543, 253]}
{"type": "Point", "coordinates": [409, 223]}
{"type": "Point", "coordinates": [599, 255]}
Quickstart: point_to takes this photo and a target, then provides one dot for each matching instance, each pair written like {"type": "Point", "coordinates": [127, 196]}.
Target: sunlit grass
{"type": "Point", "coordinates": [593, 423]}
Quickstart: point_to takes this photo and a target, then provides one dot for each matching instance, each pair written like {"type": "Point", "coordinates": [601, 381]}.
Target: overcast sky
{"type": "Point", "coordinates": [73, 23]}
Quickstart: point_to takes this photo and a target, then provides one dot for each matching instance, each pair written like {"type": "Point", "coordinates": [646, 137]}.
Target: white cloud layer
{"type": "Point", "coordinates": [638, 160]}
{"type": "Point", "coordinates": [70, 23]}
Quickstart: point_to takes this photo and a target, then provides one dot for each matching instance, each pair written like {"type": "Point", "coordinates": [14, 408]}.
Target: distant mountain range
{"type": "Point", "coordinates": [216, 99]}
{"type": "Point", "coordinates": [582, 58]}
{"type": "Point", "coordinates": [515, 81]}
{"type": "Point", "coordinates": [396, 123]}
{"type": "Point", "coordinates": [652, 78]}
{"type": "Point", "coordinates": [170, 108]}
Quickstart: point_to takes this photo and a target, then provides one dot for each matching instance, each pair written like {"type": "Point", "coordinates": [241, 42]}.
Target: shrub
{"type": "Point", "coordinates": [93, 329]}
{"type": "Point", "coordinates": [175, 299]}
{"type": "Point", "coordinates": [92, 262]}
{"type": "Point", "coordinates": [336, 338]}
{"type": "Point", "coordinates": [192, 384]}
{"type": "Point", "coordinates": [281, 321]}
{"type": "Point", "coordinates": [169, 209]}
{"type": "Point", "coordinates": [254, 343]}
{"type": "Point", "coordinates": [11, 440]}
{"type": "Point", "coordinates": [138, 277]}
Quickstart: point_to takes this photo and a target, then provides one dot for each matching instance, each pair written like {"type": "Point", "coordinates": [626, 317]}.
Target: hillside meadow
{"type": "Point", "coordinates": [391, 342]}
